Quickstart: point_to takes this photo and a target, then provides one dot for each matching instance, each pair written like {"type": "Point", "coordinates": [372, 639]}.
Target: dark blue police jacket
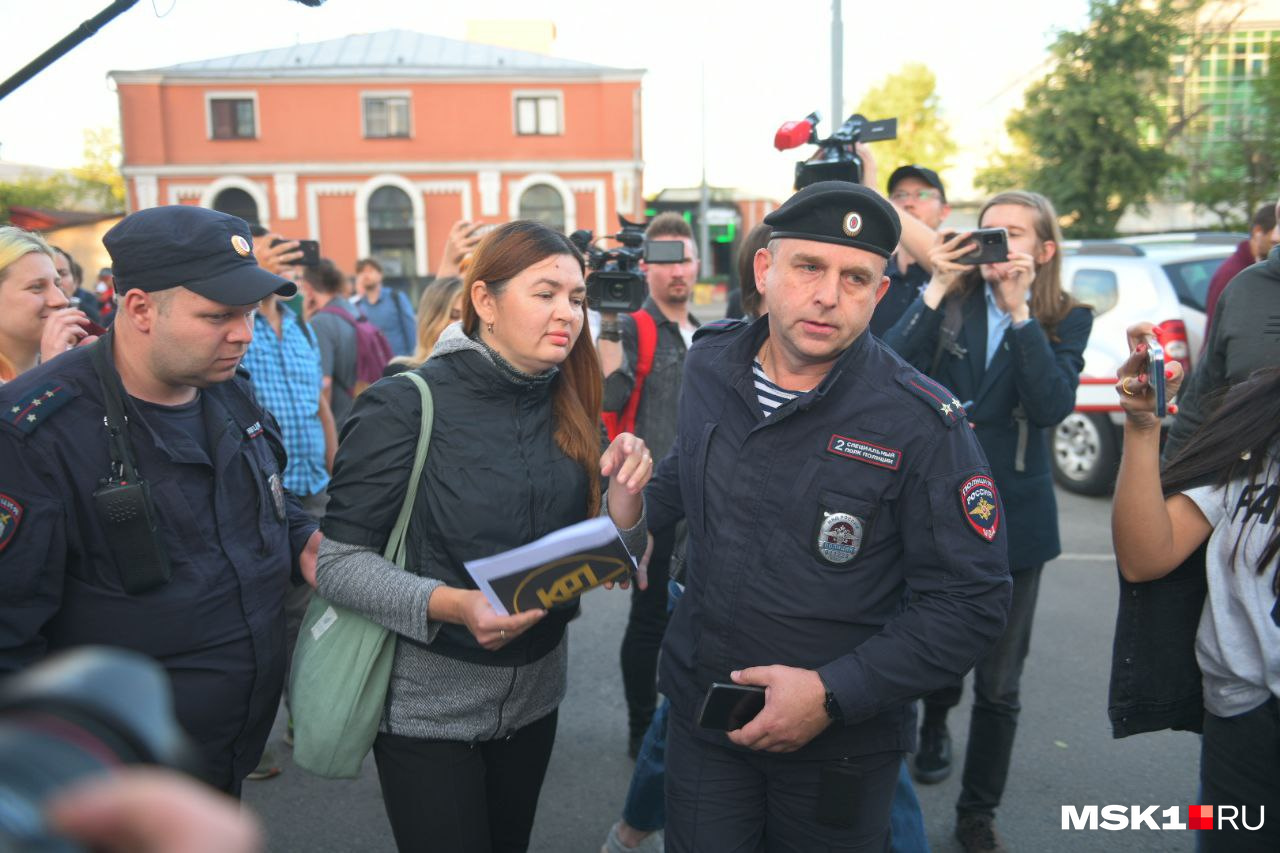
{"type": "Point", "coordinates": [856, 531]}
{"type": "Point", "coordinates": [1029, 386]}
{"type": "Point", "coordinates": [217, 627]}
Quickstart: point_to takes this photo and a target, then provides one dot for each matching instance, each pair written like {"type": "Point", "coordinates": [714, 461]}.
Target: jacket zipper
{"type": "Point", "coordinates": [502, 706]}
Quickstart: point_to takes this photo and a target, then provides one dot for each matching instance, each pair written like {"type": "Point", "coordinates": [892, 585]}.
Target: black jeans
{"type": "Point", "coordinates": [643, 637]}
{"type": "Point", "coordinates": [994, 720]}
{"type": "Point", "coordinates": [1240, 766]}
{"type": "Point", "coordinates": [454, 797]}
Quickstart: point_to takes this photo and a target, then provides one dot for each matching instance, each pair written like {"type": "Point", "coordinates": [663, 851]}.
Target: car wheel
{"type": "Point", "coordinates": [1086, 454]}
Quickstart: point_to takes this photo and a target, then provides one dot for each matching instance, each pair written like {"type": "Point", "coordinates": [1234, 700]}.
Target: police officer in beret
{"type": "Point", "coordinates": [847, 546]}
{"type": "Point", "coordinates": [141, 493]}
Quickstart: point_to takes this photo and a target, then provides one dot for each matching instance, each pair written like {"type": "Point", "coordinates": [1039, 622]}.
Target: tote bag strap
{"type": "Point", "coordinates": [395, 551]}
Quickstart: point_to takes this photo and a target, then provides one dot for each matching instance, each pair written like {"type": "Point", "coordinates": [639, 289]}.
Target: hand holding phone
{"type": "Point", "coordinates": [988, 246]}
{"type": "Point", "coordinates": [1155, 375]}
{"type": "Point", "coordinates": [728, 707]}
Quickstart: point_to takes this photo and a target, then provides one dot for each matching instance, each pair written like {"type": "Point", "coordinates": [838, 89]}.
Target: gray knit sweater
{"type": "Point", "coordinates": [431, 695]}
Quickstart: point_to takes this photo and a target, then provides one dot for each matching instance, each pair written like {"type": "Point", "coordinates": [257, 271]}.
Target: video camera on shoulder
{"type": "Point", "coordinates": [615, 283]}
{"type": "Point", "coordinates": [835, 159]}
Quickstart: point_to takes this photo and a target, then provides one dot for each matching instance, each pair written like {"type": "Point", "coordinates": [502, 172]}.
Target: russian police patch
{"type": "Point", "coordinates": [981, 507]}
{"type": "Point", "coordinates": [10, 515]}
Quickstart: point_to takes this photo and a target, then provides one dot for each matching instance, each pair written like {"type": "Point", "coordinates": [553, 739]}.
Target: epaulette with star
{"type": "Point", "coordinates": [717, 327]}
{"type": "Point", "coordinates": [938, 397]}
{"type": "Point", "coordinates": [29, 412]}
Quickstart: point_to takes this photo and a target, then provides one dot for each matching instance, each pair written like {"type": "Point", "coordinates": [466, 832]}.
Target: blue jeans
{"type": "Point", "coordinates": [906, 820]}
{"type": "Point", "coordinates": [645, 808]}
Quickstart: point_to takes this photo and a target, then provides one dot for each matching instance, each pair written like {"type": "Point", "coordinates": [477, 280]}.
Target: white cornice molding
{"type": "Point", "coordinates": [303, 170]}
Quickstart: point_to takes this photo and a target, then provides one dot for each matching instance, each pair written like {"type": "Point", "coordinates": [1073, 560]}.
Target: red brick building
{"type": "Point", "coordinates": [375, 144]}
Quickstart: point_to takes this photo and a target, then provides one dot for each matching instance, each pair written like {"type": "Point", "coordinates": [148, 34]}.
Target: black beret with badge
{"type": "Point", "coordinates": [205, 251]}
{"type": "Point", "coordinates": [839, 212]}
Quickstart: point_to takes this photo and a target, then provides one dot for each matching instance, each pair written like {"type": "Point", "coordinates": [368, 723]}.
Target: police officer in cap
{"type": "Point", "coordinates": [141, 503]}
{"type": "Point", "coordinates": [847, 549]}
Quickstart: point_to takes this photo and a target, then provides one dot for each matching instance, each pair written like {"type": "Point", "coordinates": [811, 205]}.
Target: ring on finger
{"type": "Point", "coordinates": [1124, 386]}
{"type": "Point", "coordinates": [502, 632]}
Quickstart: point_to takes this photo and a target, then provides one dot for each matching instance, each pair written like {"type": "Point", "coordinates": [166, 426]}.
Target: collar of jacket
{"type": "Point", "coordinates": [734, 363]}
{"type": "Point", "coordinates": [504, 374]}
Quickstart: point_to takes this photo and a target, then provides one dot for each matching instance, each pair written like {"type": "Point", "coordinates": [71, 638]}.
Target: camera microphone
{"type": "Point", "coordinates": [793, 134]}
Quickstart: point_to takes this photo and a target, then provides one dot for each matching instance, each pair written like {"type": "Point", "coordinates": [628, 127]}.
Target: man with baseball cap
{"type": "Point", "coordinates": [141, 502]}
{"type": "Point", "coordinates": [921, 200]}
{"type": "Point", "coordinates": [846, 547]}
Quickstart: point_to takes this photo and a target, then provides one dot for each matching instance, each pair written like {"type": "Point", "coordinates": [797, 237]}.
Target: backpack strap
{"type": "Point", "coordinates": [338, 311]}
{"type": "Point", "coordinates": [646, 346]}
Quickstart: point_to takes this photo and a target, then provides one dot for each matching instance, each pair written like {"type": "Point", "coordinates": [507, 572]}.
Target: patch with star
{"type": "Point", "coordinates": [28, 413]}
{"type": "Point", "coordinates": [865, 451]}
{"type": "Point", "coordinates": [10, 515]}
{"type": "Point", "coordinates": [944, 404]}
{"type": "Point", "coordinates": [981, 506]}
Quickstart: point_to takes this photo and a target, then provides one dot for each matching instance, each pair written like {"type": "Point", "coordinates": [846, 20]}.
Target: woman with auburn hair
{"type": "Point", "coordinates": [36, 322]}
{"type": "Point", "coordinates": [515, 454]}
{"type": "Point", "coordinates": [1008, 341]}
{"type": "Point", "coordinates": [440, 305]}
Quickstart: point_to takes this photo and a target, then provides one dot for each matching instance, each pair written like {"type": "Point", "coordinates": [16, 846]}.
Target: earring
{"type": "Point", "coordinates": [489, 326]}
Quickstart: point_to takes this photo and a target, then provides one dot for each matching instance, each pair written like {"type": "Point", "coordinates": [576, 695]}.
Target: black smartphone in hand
{"type": "Point", "coordinates": [989, 246]}
{"type": "Point", "coordinates": [728, 707]}
{"type": "Point", "coordinates": [1155, 375]}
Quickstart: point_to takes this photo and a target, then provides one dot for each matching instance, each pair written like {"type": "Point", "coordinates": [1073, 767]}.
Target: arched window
{"type": "Point", "coordinates": [542, 203]}
{"type": "Point", "coordinates": [391, 230]}
{"type": "Point", "coordinates": [237, 202]}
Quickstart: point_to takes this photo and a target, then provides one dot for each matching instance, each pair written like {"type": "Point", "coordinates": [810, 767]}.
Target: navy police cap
{"type": "Point", "coordinates": [205, 251]}
{"type": "Point", "coordinates": [839, 212]}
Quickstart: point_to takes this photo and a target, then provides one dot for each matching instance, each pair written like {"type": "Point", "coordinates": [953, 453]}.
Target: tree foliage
{"type": "Point", "coordinates": [1090, 135]}
{"type": "Point", "coordinates": [910, 95]}
{"type": "Point", "coordinates": [95, 185]}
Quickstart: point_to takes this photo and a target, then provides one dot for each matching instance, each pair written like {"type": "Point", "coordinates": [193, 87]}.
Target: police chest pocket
{"type": "Point", "coordinates": [840, 529]}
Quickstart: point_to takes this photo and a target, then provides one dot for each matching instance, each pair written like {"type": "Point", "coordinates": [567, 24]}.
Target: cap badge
{"type": "Point", "coordinates": [241, 245]}
{"type": "Point", "coordinates": [852, 223]}
{"type": "Point", "coordinates": [839, 537]}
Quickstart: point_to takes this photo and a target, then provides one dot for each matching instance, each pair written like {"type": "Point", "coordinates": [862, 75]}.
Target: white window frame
{"type": "Point", "coordinates": [365, 97]}
{"type": "Point", "coordinates": [538, 95]}
{"type": "Point", "coordinates": [210, 97]}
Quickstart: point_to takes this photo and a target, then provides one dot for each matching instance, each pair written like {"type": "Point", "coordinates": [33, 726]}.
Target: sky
{"type": "Point", "coordinates": [757, 66]}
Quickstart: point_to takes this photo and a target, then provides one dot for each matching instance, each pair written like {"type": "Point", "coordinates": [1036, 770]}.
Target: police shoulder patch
{"type": "Point", "coordinates": [717, 327]}
{"type": "Point", "coordinates": [32, 409]}
{"type": "Point", "coordinates": [980, 505]}
{"type": "Point", "coordinates": [10, 515]}
{"type": "Point", "coordinates": [936, 396]}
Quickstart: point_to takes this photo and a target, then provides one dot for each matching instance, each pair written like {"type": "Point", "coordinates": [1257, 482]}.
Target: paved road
{"type": "Point", "coordinates": [1064, 754]}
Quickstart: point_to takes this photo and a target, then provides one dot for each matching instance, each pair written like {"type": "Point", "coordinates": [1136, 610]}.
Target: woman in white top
{"type": "Point", "coordinates": [1224, 487]}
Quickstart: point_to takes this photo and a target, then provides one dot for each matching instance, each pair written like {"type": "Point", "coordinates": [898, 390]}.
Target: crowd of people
{"type": "Point", "coordinates": [839, 500]}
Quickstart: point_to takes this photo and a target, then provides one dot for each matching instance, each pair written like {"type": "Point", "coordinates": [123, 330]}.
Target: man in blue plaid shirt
{"type": "Point", "coordinates": [284, 365]}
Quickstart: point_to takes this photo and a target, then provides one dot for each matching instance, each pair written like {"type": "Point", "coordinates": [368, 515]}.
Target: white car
{"type": "Point", "coordinates": [1163, 279]}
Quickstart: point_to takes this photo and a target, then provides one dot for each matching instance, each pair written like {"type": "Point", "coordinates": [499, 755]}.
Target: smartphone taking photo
{"type": "Point", "coordinates": [987, 246]}
{"type": "Point", "coordinates": [1155, 374]}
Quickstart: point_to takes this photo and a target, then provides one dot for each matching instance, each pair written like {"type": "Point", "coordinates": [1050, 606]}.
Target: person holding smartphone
{"type": "Point", "coordinates": [805, 458]}
{"type": "Point", "coordinates": [1218, 492]}
{"type": "Point", "coordinates": [1009, 341]}
{"type": "Point", "coordinates": [37, 321]}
